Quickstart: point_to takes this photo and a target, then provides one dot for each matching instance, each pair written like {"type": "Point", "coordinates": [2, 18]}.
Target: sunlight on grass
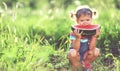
{"type": "Point", "coordinates": [38, 40]}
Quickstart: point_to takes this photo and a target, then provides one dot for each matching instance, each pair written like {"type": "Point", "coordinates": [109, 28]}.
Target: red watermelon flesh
{"type": "Point", "coordinates": [86, 27]}
{"type": "Point", "coordinates": [88, 30]}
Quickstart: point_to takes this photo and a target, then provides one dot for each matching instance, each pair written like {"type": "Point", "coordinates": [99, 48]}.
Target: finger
{"type": "Point", "coordinates": [81, 32]}
{"type": "Point", "coordinates": [77, 30]}
{"type": "Point", "coordinates": [98, 30]}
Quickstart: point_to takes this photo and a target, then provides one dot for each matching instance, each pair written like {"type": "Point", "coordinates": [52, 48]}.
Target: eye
{"type": "Point", "coordinates": [88, 20]}
{"type": "Point", "coordinates": [81, 20]}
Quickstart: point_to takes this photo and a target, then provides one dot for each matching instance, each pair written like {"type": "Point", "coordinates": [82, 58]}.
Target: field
{"type": "Point", "coordinates": [38, 40]}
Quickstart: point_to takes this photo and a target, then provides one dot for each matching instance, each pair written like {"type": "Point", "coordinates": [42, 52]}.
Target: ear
{"type": "Point", "coordinates": [77, 20]}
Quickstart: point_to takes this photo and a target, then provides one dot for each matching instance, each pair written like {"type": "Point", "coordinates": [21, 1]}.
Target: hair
{"type": "Point", "coordinates": [83, 10]}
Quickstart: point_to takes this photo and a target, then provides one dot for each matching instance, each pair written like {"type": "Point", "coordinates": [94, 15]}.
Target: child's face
{"type": "Point", "coordinates": [84, 20]}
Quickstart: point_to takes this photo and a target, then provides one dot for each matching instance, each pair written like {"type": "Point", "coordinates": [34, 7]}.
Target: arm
{"type": "Point", "coordinates": [76, 42]}
{"type": "Point", "coordinates": [93, 41]}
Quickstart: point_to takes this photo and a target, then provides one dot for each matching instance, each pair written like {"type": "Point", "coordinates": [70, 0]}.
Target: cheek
{"type": "Point", "coordinates": [81, 23]}
{"type": "Point", "coordinates": [89, 22]}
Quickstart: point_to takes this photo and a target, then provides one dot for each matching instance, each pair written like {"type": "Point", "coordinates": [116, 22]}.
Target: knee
{"type": "Point", "coordinates": [72, 53]}
{"type": "Point", "coordinates": [90, 52]}
{"type": "Point", "coordinates": [75, 65]}
{"type": "Point", "coordinates": [97, 52]}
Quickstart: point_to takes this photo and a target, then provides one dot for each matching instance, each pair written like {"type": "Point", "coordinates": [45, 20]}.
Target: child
{"type": "Point", "coordinates": [83, 51]}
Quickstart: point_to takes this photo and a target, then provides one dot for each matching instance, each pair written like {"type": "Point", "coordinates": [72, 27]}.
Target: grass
{"type": "Point", "coordinates": [29, 40]}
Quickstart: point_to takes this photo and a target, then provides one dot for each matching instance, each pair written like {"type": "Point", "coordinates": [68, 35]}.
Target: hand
{"type": "Point", "coordinates": [77, 33]}
{"type": "Point", "coordinates": [98, 32]}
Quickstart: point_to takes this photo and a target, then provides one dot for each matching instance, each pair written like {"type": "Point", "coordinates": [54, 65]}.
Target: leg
{"type": "Point", "coordinates": [96, 53]}
{"type": "Point", "coordinates": [92, 55]}
{"type": "Point", "coordinates": [74, 59]}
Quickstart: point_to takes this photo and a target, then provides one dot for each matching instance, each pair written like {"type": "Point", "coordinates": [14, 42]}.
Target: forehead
{"type": "Point", "coordinates": [85, 16]}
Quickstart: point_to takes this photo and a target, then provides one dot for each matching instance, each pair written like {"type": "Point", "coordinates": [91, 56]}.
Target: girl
{"type": "Point", "coordinates": [82, 50]}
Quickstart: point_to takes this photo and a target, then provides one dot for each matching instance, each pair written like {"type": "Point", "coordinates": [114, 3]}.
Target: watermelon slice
{"type": "Point", "coordinates": [88, 30]}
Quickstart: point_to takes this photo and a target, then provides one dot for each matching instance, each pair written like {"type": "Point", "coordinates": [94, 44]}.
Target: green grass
{"type": "Point", "coordinates": [29, 39]}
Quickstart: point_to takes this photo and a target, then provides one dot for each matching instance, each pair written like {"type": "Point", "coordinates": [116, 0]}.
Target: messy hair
{"type": "Point", "coordinates": [83, 11]}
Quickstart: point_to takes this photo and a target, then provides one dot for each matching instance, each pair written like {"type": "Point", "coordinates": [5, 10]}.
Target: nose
{"type": "Point", "coordinates": [85, 23]}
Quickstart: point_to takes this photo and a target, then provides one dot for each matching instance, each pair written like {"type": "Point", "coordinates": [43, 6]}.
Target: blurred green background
{"type": "Point", "coordinates": [34, 34]}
